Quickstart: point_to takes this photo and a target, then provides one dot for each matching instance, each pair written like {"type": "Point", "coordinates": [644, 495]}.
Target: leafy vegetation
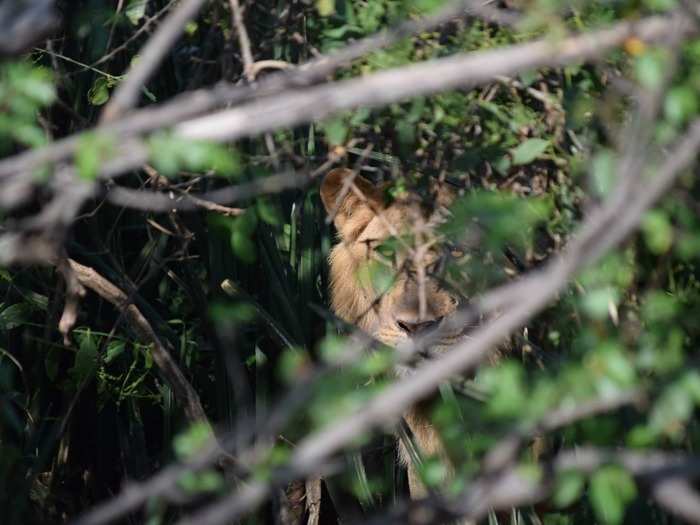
{"type": "Point", "coordinates": [239, 296]}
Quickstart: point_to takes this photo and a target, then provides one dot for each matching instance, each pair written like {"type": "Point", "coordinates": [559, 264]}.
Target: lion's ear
{"type": "Point", "coordinates": [350, 212]}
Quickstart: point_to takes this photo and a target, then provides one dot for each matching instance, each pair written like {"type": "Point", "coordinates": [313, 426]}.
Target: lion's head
{"type": "Point", "coordinates": [415, 299]}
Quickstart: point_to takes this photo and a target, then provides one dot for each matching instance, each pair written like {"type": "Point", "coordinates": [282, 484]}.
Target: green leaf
{"type": "Point", "coordinates": [325, 7]}
{"type": "Point", "coordinates": [427, 6]}
{"type": "Point", "coordinates": [170, 154]}
{"type": "Point", "coordinates": [528, 151]}
{"type": "Point", "coordinates": [598, 303]}
{"type": "Point", "coordinates": [612, 488]}
{"type": "Point", "coordinates": [603, 171]}
{"type": "Point", "coordinates": [98, 94]}
{"type": "Point", "coordinates": [193, 440]}
{"type": "Point", "coordinates": [34, 83]}
{"type": "Point", "coordinates": [93, 151]}
{"type": "Point", "coordinates": [14, 315]}
{"type": "Point", "coordinates": [236, 313]}
{"type": "Point", "coordinates": [243, 247]}
{"type": "Point", "coordinates": [114, 349]}
{"type": "Point", "coordinates": [332, 348]}
{"type": "Point", "coordinates": [681, 104]}
{"type": "Point", "coordinates": [659, 306]}
{"type": "Point", "coordinates": [136, 10]}
{"type": "Point", "coordinates": [568, 489]}
{"type": "Point", "coordinates": [505, 385]}
{"type": "Point", "coordinates": [85, 359]}
{"type": "Point", "coordinates": [650, 68]}
{"type": "Point", "coordinates": [658, 231]}
{"type": "Point", "coordinates": [433, 471]}
{"type": "Point", "coordinates": [336, 131]}
{"type": "Point", "coordinates": [292, 364]}
{"type": "Point", "coordinates": [376, 276]}
{"type": "Point", "coordinates": [201, 482]}
{"type": "Point", "coordinates": [268, 212]}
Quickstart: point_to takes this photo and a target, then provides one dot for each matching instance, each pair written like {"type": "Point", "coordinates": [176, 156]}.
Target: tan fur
{"type": "Point", "coordinates": [363, 220]}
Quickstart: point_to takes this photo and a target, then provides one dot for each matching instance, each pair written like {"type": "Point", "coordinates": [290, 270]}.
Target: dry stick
{"type": "Point", "coordinates": [197, 102]}
{"type": "Point", "coordinates": [126, 95]}
{"type": "Point", "coordinates": [167, 202]}
{"type": "Point", "coordinates": [243, 40]}
{"type": "Point", "coordinates": [385, 409]}
{"type": "Point", "coordinates": [183, 390]}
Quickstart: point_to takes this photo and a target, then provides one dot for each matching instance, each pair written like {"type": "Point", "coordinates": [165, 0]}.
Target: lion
{"type": "Point", "coordinates": [414, 304]}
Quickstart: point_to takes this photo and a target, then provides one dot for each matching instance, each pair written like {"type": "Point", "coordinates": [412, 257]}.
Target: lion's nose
{"type": "Point", "coordinates": [418, 328]}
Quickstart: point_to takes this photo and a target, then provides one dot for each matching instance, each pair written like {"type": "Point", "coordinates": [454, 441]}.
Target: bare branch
{"type": "Point", "coordinates": [126, 95]}
{"type": "Point", "coordinates": [167, 202]}
{"type": "Point", "coordinates": [182, 389]}
{"type": "Point", "coordinates": [243, 39]}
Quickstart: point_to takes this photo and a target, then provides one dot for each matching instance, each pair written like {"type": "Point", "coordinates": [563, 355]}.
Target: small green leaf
{"type": "Point", "coordinates": [612, 488]}
{"type": "Point", "coordinates": [98, 94]}
{"type": "Point", "coordinates": [433, 471]}
{"type": "Point", "coordinates": [193, 440]}
{"type": "Point", "coordinates": [93, 151]}
{"type": "Point", "coordinates": [243, 247]}
{"type": "Point", "coordinates": [35, 83]}
{"type": "Point", "coordinates": [292, 364]}
{"type": "Point", "coordinates": [332, 348]}
{"type": "Point", "coordinates": [14, 315]}
{"type": "Point", "coordinates": [268, 212]}
{"type": "Point", "coordinates": [114, 349]}
{"type": "Point", "coordinates": [568, 489]}
{"type": "Point", "coordinates": [170, 153]}
{"type": "Point", "coordinates": [325, 7]}
{"type": "Point", "coordinates": [650, 68]}
{"type": "Point", "coordinates": [659, 306]}
{"type": "Point", "coordinates": [201, 482]}
{"type": "Point", "coordinates": [528, 151]}
{"type": "Point", "coordinates": [85, 359]}
{"type": "Point", "coordinates": [658, 231]}
{"type": "Point", "coordinates": [598, 303]}
{"type": "Point", "coordinates": [603, 171]}
{"type": "Point", "coordinates": [336, 131]}
{"type": "Point", "coordinates": [681, 104]}
{"type": "Point", "coordinates": [136, 10]}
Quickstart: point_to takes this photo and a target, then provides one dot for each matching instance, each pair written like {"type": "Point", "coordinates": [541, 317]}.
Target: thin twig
{"type": "Point", "coordinates": [182, 389]}
{"type": "Point", "coordinates": [243, 39]}
{"type": "Point", "coordinates": [126, 94]}
{"type": "Point", "coordinates": [168, 202]}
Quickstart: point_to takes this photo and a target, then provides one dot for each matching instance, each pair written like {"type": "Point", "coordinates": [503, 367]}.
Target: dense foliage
{"type": "Point", "coordinates": [239, 296]}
